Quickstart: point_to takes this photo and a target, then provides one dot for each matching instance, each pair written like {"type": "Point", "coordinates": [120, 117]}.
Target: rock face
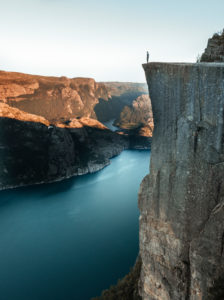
{"type": "Point", "coordinates": [53, 98]}
{"type": "Point", "coordinates": [58, 98]}
{"type": "Point", "coordinates": [138, 114]}
{"type": "Point", "coordinates": [49, 131]}
{"type": "Point", "coordinates": [33, 152]}
{"type": "Point", "coordinates": [181, 201]}
{"type": "Point", "coordinates": [120, 95]}
{"type": "Point", "coordinates": [215, 49]}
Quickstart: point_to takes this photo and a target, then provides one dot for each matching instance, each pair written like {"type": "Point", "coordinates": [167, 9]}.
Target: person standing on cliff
{"type": "Point", "coordinates": [147, 56]}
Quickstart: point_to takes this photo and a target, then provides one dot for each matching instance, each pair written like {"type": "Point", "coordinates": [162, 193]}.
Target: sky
{"type": "Point", "coordinates": [105, 40]}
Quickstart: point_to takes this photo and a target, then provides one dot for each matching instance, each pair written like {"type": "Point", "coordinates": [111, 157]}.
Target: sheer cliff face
{"type": "Point", "coordinates": [215, 49]}
{"type": "Point", "coordinates": [53, 98]}
{"type": "Point", "coordinates": [181, 201]}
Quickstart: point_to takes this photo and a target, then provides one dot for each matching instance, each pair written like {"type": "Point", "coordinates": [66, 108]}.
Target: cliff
{"type": "Point", "coordinates": [54, 98]}
{"type": "Point", "coordinates": [181, 201]}
{"type": "Point", "coordinates": [214, 51]}
{"type": "Point", "coordinates": [120, 95]}
{"type": "Point", "coordinates": [62, 98]}
{"type": "Point", "coordinates": [33, 151]}
{"type": "Point", "coordinates": [137, 115]}
{"type": "Point", "coordinates": [49, 129]}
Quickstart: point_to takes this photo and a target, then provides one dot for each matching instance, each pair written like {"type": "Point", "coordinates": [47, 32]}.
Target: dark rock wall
{"type": "Point", "coordinates": [181, 201]}
{"type": "Point", "coordinates": [32, 152]}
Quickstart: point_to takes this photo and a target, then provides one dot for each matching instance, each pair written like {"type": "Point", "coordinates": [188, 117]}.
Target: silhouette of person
{"type": "Point", "coordinates": [147, 56]}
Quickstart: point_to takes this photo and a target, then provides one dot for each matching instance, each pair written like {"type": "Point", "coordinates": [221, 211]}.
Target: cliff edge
{"type": "Point", "coordinates": [181, 201]}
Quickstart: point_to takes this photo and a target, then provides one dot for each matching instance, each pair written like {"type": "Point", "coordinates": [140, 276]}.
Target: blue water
{"type": "Point", "coordinates": [110, 125]}
{"type": "Point", "coordinates": [72, 239]}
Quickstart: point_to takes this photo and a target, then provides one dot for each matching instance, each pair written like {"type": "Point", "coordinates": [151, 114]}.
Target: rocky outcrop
{"type": "Point", "coordinates": [54, 98]}
{"type": "Point", "coordinates": [181, 201]}
{"type": "Point", "coordinates": [33, 151]}
{"type": "Point", "coordinates": [137, 115]}
{"type": "Point", "coordinates": [120, 95]}
{"type": "Point", "coordinates": [215, 49]}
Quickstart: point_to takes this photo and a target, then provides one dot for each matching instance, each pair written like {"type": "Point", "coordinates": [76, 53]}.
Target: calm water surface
{"type": "Point", "coordinates": [110, 125]}
{"type": "Point", "coordinates": [72, 239]}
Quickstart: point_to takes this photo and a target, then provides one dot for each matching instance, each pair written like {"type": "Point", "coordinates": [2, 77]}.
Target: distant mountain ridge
{"type": "Point", "coordinates": [58, 98]}
{"type": "Point", "coordinates": [53, 98]}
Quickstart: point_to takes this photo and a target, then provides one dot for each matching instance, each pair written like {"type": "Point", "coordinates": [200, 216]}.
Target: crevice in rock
{"type": "Point", "coordinates": [188, 276]}
{"type": "Point", "coordinates": [222, 246]}
{"type": "Point", "coordinates": [196, 138]}
{"type": "Point", "coordinates": [218, 193]}
{"type": "Point", "coordinates": [157, 193]}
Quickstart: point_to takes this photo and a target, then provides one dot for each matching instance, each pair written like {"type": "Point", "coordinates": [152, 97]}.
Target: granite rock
{"type": "Point", "coordinates": [181, 201]}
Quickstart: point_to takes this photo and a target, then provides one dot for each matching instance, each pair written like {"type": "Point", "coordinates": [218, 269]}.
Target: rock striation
{"type": "Point", "coordinates": [181, 201]}
{"type": "Point", "coordinates": [215, 49]}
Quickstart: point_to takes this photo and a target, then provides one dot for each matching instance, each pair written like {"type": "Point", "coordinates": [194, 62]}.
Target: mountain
{"type": "Point", "coordinates": [35, 151]}
{"type": "Point", "coordinates": [49, 129]}
{"type": "Point", "coordinates": [61, 98]}
{"type": "Point", "coordinates": [120, 95]}
{"type": "Point", "coordinates": [54, 98]}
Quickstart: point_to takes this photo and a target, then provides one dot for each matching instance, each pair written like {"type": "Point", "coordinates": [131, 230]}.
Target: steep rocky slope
{"type": "Point", "coordinates": [120, 95]}
{"type": "Point", "coordinates": [181, 201]}
{"type": "Point", "coordinates": [53, 98]}
{"type": "Point", "coordinates": [33, 151]}
{"type": "Point", "coordinates": [49, 129]}
{"type": "Point", "coordinates": [137, 115]}
{"type": "Point", "coordinates": [61, 98]}
{"type": "Point", "coordinates": [215, 49]}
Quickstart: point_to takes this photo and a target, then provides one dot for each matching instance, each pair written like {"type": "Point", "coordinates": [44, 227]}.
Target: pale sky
{"type": "Point", "coordinates": [105, 40]}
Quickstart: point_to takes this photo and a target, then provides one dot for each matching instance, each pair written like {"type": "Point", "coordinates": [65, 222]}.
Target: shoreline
{"type": "Point", "coordinates": [84, 171]}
